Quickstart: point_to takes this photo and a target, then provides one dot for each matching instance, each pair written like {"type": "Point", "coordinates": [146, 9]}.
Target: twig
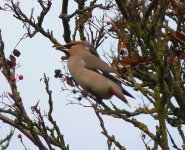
{"type": "Point", "coordinates": [65, 20]}
{"type": "Point", "coordinates": [6, 140]}
{"type": "Point", "coordinates": [104, 132]}
{"type": "Point", "coordinates": [50, 118]}
{"type": "Point", "coordinates": [172, 140]}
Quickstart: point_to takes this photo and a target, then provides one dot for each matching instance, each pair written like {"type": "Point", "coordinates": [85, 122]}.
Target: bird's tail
{"type": "Point", "coordinates": [120, 96]}
{"type": "Point", "coordinates": [126, 93]}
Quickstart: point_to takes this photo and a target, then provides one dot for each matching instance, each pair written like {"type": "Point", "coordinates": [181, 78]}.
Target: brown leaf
{"type": "Point", "coordinates": [180, 35]}
{"type": "Point", "coordinates": [16, 52]}
{"type": "Point", "coordinates": [179, 54]}
{"type": "Point", "coordinates": [172, 37]}
{"type": "Point", "coordinates": [132, 59]}
{"type": "Point", "coordinates": [120, 46]}
{"type": "Point", "coordinates": [135, 58]}
{"type": "Point", "coordinates": [69, 81]}
{"type": "Point", "coordinates": [13, 60]}
{"type": "Point", "coordinates": [174, 5]}
{"type": "Point", "coordinates": [125, 62]}
{"type": "Point", "coordinates": [177, 37]}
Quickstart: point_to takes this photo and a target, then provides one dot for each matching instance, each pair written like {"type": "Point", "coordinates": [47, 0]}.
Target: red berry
{"type": "Point", "coordinates": [63, 57]}
{"type": "Point", "coordinates": [19, 136]}
{"type": "Point", "coordinates": [12, 78]}
{"type": "Point", "coordinates": [74, 91]}
{"type": "Point", "coordinates": [20, 77]}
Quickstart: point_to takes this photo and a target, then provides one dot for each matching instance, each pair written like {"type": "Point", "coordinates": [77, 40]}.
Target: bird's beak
{"type": "Point", "coordinates": [62, 48]}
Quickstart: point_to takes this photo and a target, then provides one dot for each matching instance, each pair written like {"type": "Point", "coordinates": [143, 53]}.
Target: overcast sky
{"type": "Point", "coordinates": [79, 125]}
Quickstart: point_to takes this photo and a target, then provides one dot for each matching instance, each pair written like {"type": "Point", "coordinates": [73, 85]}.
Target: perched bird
{"type": "Point", "coordinates": [92, 73]}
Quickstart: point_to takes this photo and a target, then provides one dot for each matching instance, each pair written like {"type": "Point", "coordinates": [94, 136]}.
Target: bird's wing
{"type": "Point", "coordinates": [96, 64]}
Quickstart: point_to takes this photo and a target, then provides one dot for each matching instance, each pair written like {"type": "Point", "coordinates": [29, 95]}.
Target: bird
{"type": "Point", "coordinates": [92, 73]}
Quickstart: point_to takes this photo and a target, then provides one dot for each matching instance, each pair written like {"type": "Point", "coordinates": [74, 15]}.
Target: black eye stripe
{"type": "Point", "coordinates": [68, 46]}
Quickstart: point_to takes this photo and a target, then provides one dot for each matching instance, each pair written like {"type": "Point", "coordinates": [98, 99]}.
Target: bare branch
{"type": "Point", "coordinates": [110, 138]}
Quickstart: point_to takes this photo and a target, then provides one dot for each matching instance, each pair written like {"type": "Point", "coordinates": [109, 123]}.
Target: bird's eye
{"type": "Point", "coordinates": [68, 46]}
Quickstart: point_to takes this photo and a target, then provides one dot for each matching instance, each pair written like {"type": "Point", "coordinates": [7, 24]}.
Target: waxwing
{"type": "Point", "coordinates": [92, 73]}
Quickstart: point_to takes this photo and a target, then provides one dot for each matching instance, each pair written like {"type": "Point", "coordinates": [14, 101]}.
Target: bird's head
{"type": "Point", "coordinates": [76, 47]}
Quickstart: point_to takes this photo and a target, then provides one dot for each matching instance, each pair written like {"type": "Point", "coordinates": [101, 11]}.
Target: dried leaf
{"type": "Point", "coordinates": [16, 52]}
{"type": "Point", "coordinates": [135, 58]}
{"type": "Point", "coordinates": [179, 54]}
{"type": "Point", "coordinates": [126, 62]}
{"type": "Point", "coordinates": [176, 38]}
{"type": "Point", "coordinates": [173, 5]}
{"type": "Point", "coordinates": [69, 81]}
{"type": "Point", "coordinates": [180, 35]}
{"type": "Point", "coordinates": [120, 46]}
{"type": "Point", "coordinates": [172, 37]}
{"type": "Point", "coordinates": [13, 60]}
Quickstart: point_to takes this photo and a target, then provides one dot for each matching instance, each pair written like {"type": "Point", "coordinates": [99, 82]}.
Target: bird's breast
{"type": "Point", "coordinates": [95, 83]}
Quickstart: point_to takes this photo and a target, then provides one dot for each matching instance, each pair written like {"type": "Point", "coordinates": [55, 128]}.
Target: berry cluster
{"type": "Point", "coordinates": [13, 78]}
{"type": "Point", "coordinates": [11, 63]}
{"type": "Point", "coordinates": [58, 73]}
